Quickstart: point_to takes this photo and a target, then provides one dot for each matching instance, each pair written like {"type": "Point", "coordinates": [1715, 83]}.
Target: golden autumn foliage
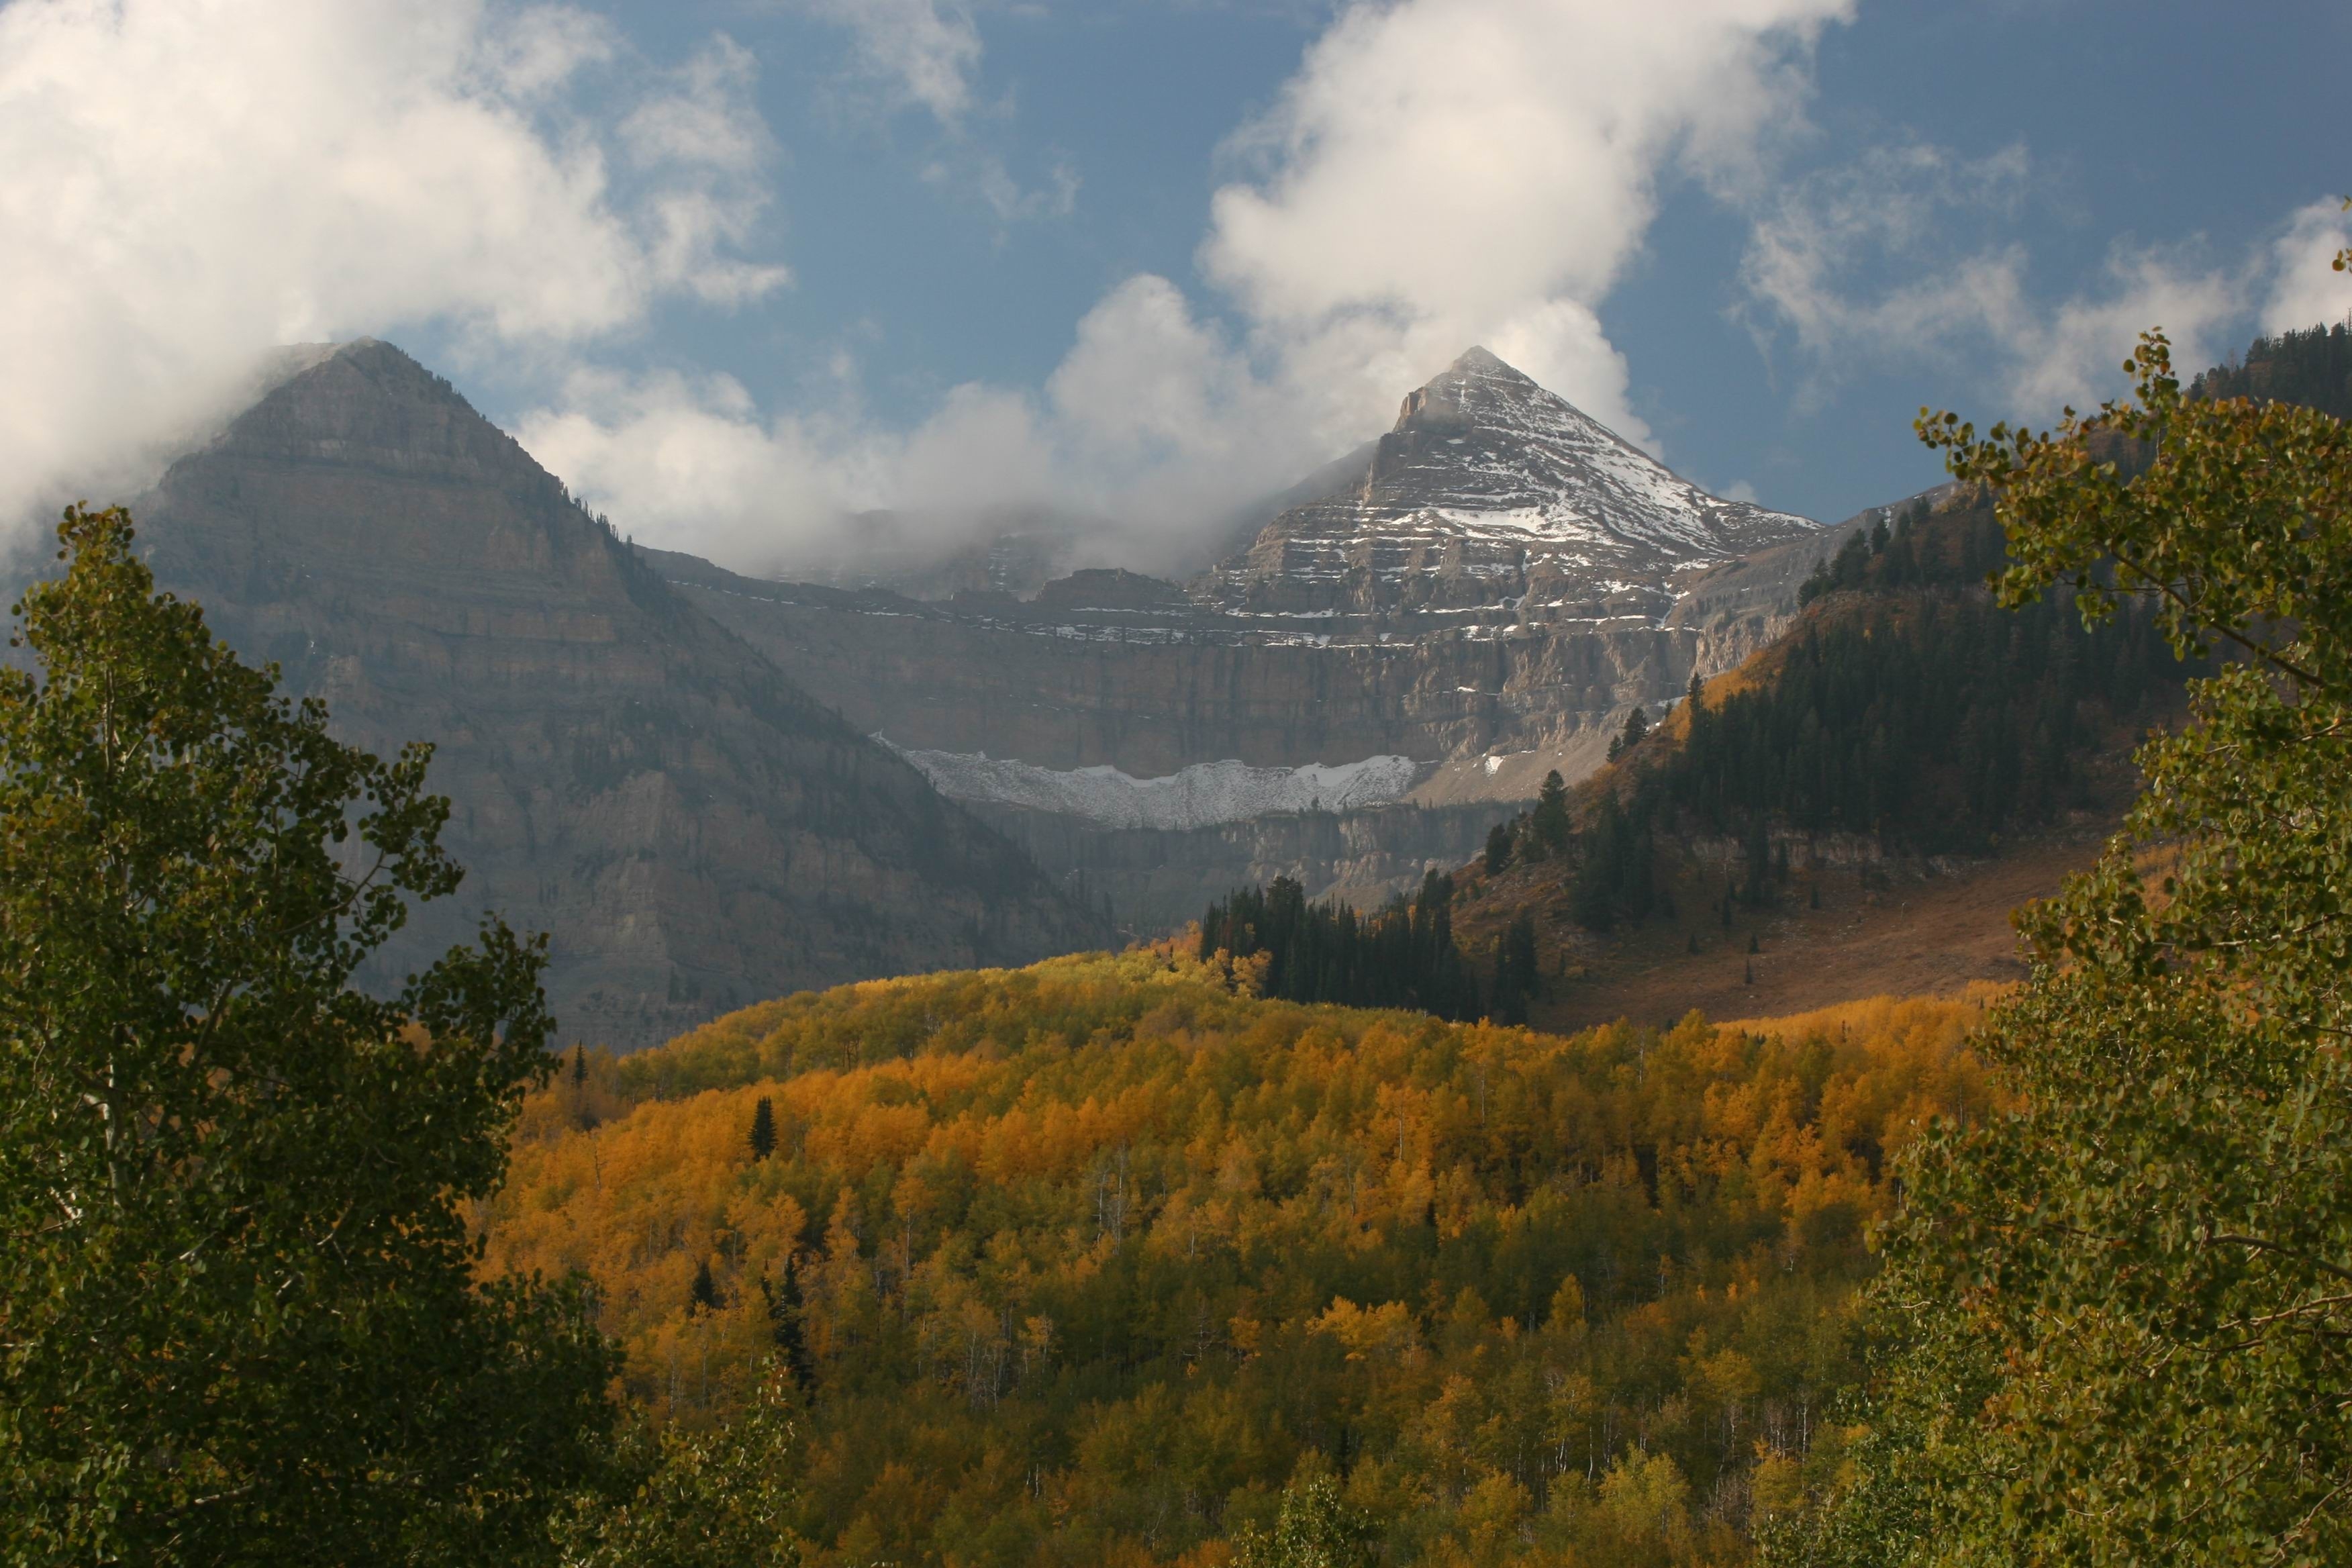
{"type": "Point", "coordinates": [1083, 1263]}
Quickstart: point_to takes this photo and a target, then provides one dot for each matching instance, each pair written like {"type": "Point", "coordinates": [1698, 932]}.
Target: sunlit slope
{"type": "Point", "coordinates": [1092, 1256]}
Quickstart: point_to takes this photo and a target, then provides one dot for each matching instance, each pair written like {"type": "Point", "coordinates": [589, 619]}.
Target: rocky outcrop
{"type": "Point", "coordinates": [1151, 691]}
{"type": "Point", "coordinates": [693, 827]}
{"type": "Point", "coordinates": [1491, 493]}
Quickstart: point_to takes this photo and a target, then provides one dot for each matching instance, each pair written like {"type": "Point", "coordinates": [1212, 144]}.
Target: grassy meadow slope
{"type": "Point", "coordinates": [1082, 1263]}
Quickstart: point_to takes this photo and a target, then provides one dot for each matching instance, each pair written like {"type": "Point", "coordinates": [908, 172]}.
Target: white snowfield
{"type": "Point", "coordinates": [1200, 797]}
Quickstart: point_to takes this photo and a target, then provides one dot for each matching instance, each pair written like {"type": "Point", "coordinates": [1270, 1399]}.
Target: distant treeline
{"type": "Point", "coordinates": [1403, 956]}
{"type": "Point", "coordinates": [2311, 367]}
{"type": "Point", "coordinates": [1902, 551]}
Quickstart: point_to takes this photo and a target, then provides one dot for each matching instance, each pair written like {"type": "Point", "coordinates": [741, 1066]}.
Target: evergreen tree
{"type": "Point", "coordinates": [763, 1129]}
{"type": "Point", "coordinates": [1403, 956]}
{"type": "Point", "coordinates": [1498, 848]}
{"type": "Point", "coordinates": [239, 1319]}
{"type": "Point", "coordinates": [1548, 825]}
{"type": "Point", "coordinates": [787, 1314]}
{"type": "Point", "coordinates": [1637, 724]}
{"type": "Point", "coordinates": [1514, 971]}
{"type": "Point", "coordinates": [1614, 876]}
{"type": "Point", "coordinates": [702, 1296]}
{"type": "Point", "coordinates": [579, 1066]}
{"type": "Point", "coordinates": [1817, 583]}
{"type": "Point", "coordinates": [2311, 367]}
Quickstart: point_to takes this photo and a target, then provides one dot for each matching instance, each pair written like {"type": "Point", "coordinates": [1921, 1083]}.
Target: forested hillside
{"type": "Point", "coordinates": [2311, 367]}
{"type": "Point", "coordinates": [1086, 1263]}
{"type": "Point", "coordinates": [1903, 735]}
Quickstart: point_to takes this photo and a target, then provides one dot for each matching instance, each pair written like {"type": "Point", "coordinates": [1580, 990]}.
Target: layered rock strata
{"type": "Point", "coordinates": [693, 828]}
{"type": "Point", "coordinates": [1475, 599]}
{"type": "Point", "coordinates": [1491, 493]}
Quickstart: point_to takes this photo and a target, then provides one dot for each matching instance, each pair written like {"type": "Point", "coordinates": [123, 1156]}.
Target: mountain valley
{"type": "Point", "coordinates": [709, 787]}
{"type": "Point", "coordinates": [1478, 600]}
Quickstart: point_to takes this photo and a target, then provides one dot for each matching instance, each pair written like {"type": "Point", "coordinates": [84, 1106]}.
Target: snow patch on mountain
{"type": "Point", "coordinates": [1200, 797]}
{"type": "Point", "coordinates": [1489, 482]}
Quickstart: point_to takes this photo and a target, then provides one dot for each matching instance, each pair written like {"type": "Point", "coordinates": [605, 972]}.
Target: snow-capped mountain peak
{"type": "Point", "coordinates": [1489, 488]}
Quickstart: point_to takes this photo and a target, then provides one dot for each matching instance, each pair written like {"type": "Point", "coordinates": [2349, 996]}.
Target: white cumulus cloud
{"type": "Point", "coordinates": [2306, 289]}
{"type": "Point", "coordinates": [1446, 172]}
{"type": "Point", "coordinates": [1437, 174]}
{"type": "Point", "coordinates": [1823, 248]}
{"type": "Point", "coordinates": [920, 52]}
{"type": "Point", "coordinates": [189, 182]}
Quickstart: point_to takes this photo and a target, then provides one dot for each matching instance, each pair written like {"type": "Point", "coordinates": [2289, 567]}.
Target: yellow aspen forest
{"type": "Point", "coordinates": [1087, 1263]}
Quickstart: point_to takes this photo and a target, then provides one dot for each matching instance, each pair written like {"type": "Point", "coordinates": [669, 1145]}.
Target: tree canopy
{"type": "Point", "coordinates": [2114, 1325]}
{"type": "Point", "coordinates": [239, 1320]}
{"type": "Point", "coordinates": [1104, 1262]}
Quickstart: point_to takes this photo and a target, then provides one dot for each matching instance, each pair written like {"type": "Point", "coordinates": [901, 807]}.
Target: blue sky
{"type": "Point", "coordinates": [736, 269]}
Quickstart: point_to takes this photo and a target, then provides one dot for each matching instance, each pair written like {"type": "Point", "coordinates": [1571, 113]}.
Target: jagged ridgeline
{"type": "Point", "coordinates": [1083, 1263]}
{"type": "Point", "coordinates": [1403, 956]}
{"type": "Point", "coordinates": [1904, 704]}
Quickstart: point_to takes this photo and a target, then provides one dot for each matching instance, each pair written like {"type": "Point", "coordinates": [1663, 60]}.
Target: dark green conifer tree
{"type": "Point", "coordinates": [1548, 824]}
{"type": "Point", "coordinates": [1637, 724]}
{"type": "Point", "coordinates": [786, 1308]}
{"type": "Point", "coordinates": [763, 1129]}
{"type": "Point", "coordinates": [1514, 971]}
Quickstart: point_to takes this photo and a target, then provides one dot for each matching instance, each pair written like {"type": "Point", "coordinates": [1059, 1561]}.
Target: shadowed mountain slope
{"type": "Point", "coordinates": [693, 829]}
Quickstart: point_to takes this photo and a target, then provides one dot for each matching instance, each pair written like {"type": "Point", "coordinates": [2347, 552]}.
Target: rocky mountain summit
{"type": "Point", "coordinates": [1490, 494]}
{"type": "Point", "coordinates": [1416, 637]}
{"type": "Point", "coordinates": [692, 826]}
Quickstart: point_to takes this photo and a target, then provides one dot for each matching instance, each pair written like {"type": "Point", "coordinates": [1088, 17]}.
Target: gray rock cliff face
{"type": "Point", "coordinates": [1484, 591]}
{"type": "Point", "coordinates": [1151, 692]}
{"type": "Point", "coordinates": [692, 826]}
{"type": "Point", "coordinates": [1491, 493]}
